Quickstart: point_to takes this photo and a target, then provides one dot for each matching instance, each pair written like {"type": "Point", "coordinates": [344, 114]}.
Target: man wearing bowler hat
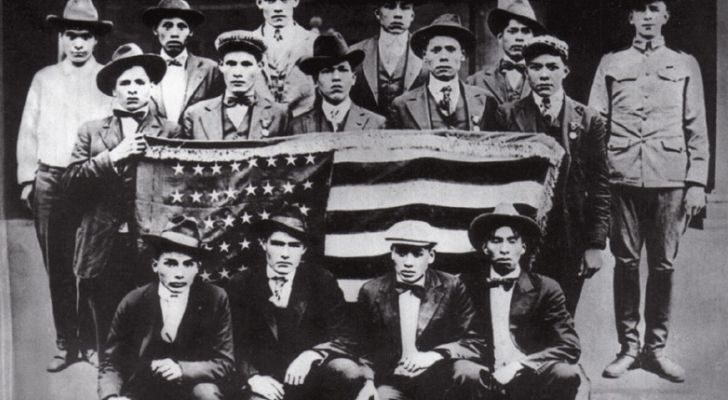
{"type": "Point", "coordinates": [189, 78]}
{"type": "Point", "coordinates": [60, 98]}
{"type": "Point", "coordinates": [445, 102]}
{"type": "Point", "coordinates": [332, 68]}
{"type": "Point", "coordinates": [293, 338]}
{"type": "Point", "coordinates": [506, 78]}
{"type": "Point", "coordinates": [535, 348]}
{"type": "Point", "coordinates": [172, 338]}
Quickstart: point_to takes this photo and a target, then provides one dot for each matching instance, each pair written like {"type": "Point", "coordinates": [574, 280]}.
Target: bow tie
{"type": "Point", "coordinates": [137, 115]}
{"type": "Point", "coordinates": [416, 290]}
{"type": "Point", "coordinates": [279, 279]}
{"type": "Point", "coordinates": [507, 283]}
{"type": "Point", "coordinates": [244, 100]}
{"type": "Point", "coordinates": [506, 65]}
{"type": "Point", "coordinates": [174, 62]}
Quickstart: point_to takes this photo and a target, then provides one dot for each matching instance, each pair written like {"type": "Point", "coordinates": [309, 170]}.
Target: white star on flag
{"type": "Point", "coordinates": [310, 159]}
{"type": "Point", "coordinates": [215, 195]}
{"type": "Point", "coordinates": [307, 185]}
{"type": "Point", "coordinates": [177, 197]}
{"type": "Point", "coordinates": [245, 244]}
{"type": "Point", "coordinates": [196, 197]}
{"type": "Point", "coordinates": [224, 274]}
{"type": "Point", "coordinates": [178, 169]}
{"type": "Point", "coordinates": [264, 215]}
{"type": "Point", "coordinates": [253, 162]}
{"type": "Point", "coordinates": [231, 193]}
{"type": "Point", "coordinates": [304, 210]}
{"type": "Point", "coordinates": [216, 169]}
{"type": "Point", "coordinates": [287, 187]}
{"type": "Point", "coordinates": [199, 169]}
{"type": "Point", "coordinates": [224, 247]}
{"type": "Point", "coordinates": [268, 189]}
{"type": "Point", "coordinates": [205, 276]}
{"type": "Point", "coordinates": [209, 223]}
{"type": "Point", "coordinates": [291, 160]}
{"type": "Point", "coordinates": [229, 220]}
{"type": "Point", "coordinates": [271, 161]}
{"type": "Point", "coordinates": [235, 166]}
{"type": "Point", "coordinates": [242, 268]}
{"type": "Point", "coordinates": [250, 190]}
{"type": "Point", "coordinates": [246, 217]}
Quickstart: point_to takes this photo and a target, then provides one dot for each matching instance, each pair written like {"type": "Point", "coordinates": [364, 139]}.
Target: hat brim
{"type": "Point", "coordinates": [422, 36]}
{"type": "Point", "coordinates": [153, 15]}
{"type": "Point", "coordinates": [159, 242]}
{"type": "Point", "coordinates": [484, 224]}
{"type": "Point", "coordinates": [101, 27]}
{"type": "Point", "coordinates": [153, 64]}
{"type": "Point", "coordinates": [312, 65]}
{"type": "Point", "coordinates": [498, 20]}
{"type": "Point", "coordinates": [266, 227]}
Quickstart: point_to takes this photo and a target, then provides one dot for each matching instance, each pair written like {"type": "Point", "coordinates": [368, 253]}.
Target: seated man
{"type": "Point", "coordinates": [535, 347]}
{"type": "Point", "coordinates": [332, 67]}
{"type": "Point", "coordinates": [418, 334]}
{"type": "Point", "coordinates": [292, 335]}
{"type": "Point", "coordinates": [170, 339]}
{"type": "Point", "coordinates": [240, 113]}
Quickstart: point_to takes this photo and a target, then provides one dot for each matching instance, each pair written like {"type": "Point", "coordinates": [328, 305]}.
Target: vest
{"type": "Point", "coordinates": [458, 120]}
{"type": "Point", "coordinates": [230, 132]}
{"type": "Point", "coordinates": [391, 86]}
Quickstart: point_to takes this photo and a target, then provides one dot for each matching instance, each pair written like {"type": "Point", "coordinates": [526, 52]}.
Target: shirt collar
{"type": "Point", "coordinates": [181, 57]}
{"type": "Point", "coordinates": [339, 110]}
{"type": "Point", "coordinates": [557, 101]}
{"type": "Point", "coordinates": [68, 68]}
{"type": "Point", "coordinates": [166, 294]}
{"type": "Point", "coordinates": [513, 274]}
{"type": "Point", "coordinates": [644, 45]}
{"type": "Point", "coordinates": [388, 39]}
{"type": "Point", "coordinates": [270, 273]}
{"type": "Point", "coordinates": [287, 31]}
{"type": "Point", "coordinates": [435, 87]}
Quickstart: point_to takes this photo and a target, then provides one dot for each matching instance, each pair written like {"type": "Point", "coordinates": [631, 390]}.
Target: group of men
{"type": "Point", "coordinates": [634, 171]}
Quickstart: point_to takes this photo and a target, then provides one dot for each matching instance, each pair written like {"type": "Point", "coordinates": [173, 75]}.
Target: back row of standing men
{"type": "Point", "coordinates": [640, 151]}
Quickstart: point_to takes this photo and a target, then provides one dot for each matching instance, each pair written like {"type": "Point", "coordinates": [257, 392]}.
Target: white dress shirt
{"type": "Point", "coordinates": [173, 306]}
{"type": "Point", "coordinates": [235, 113]}
{"type": "Point", "coordinates": [409, 314]}
{"type": "Point", "coordinates": [556, 103]}
{"type": "Point", "coordinates": [435, 87]}
{"type": "Point", "coordinates": [504, 349]}
{"type": "Point", "coordinates": [514, 76]}
{"type": "Point", "coordinates": [281, 292]}
{"type": "Point", "coordinates": [174, 85]}
{"type": "Point", "coordinates": [336, 113]}
{"type": "Point", "coordinates": [391, 49]}
{"type": "Point", "coordinates": [129, 125]}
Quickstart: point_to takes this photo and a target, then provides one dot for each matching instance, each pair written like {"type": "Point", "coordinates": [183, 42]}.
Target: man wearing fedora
{"type": "Point", "coordinates": [652, 97]}
{"type": "Point", "coordinates": [241, 112]}
{"type": "Point", "coordinates": [293, 338]}
{"type": "Point", "coordinates": [60, 98]}
{"type": "Point", "coordinates": [171, 338]}
{"type": "Point", "coordinates": [535, 348]}
{"type": "Point", "coordinates": [390, 66]}
{"type": "Point", "coordinates": [445, 102]}
{"type": "Point", "coordinates": [332, 68]}
{"type": "Point", "coordinates": [100, 181]}
{"type": "Point", "coordinates": [578, 223]}
{"type": "Point", "coordinates": [189, 78]}
{"type": "Point", "coordinates": [418, 334]}
{"type": "Point", "coordinates": [506, 79]}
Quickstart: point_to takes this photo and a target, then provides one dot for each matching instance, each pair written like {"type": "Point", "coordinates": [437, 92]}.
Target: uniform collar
{"type": "Point", "coordinates": [644, 45]}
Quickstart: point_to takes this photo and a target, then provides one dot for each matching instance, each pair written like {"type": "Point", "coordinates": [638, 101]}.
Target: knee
{"type": "Point", "coordinates": [346, 369]}
{"type": "Point", "coordinates": [465, 371]}
{"type": "Point", "coordinates": [206, 391]}
{"type": "Point", "coordinates": [566, 375]}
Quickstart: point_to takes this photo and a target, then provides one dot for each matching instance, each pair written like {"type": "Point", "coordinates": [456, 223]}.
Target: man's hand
{"type": "Point", "coordinates": [300, 367]}
{"type": "Point", "coordinates": [414, 364]}
{"type": "Point", "coordinates": [504, 375]}
{"type": "Point", "coordinates": [167, 368]}
{"type": "Point", "coordinates": [368, 392]}
{"type": "Point", "coordinates": [266, 386]}
{"type": "Point", "coordinates": [592, 263]}
{"type": "Point", "coordinates": [26, 195]}
{"type": "Point", "coordinates": [694, 200]}
{"type": "Point", "coordinates": [132, 145]}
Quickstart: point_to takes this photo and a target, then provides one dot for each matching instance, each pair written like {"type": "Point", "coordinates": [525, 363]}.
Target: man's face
{"type": "Point", "coordinates": [277, 13]}
{"type": "Point", "coordinates": [411, 262]}
{"type": "Point", "coordinates": [546, 74]}
{"type": "Point", "coordinates": [78, 45]}
{"type": "Point", "coordinates": [240, 70]}
{"type": "Point", "coordinates": [176, 270]}
{"type": "Point", "coordinates": [335, 82]}
{"type": "Point", "coordinates": [283, 252]}
{"type": "Point", "coordinates": [504, 248]}
{"type": "Point", "coordinates": [173, 34]}
{"type": "Point", "coordinates": [133, 88]}
{"type": "Point", "coordinates": [513, 38]}
{"type": "Point", "coordinates": [395, 17]}
{"type": "Point", "coordinates": [443, 57]}
{"type": "Point", "coordinates": [649, 20]}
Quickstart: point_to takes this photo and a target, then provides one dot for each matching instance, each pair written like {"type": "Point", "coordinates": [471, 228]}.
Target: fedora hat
{"type": "Point", "coordinates": [498, 19]}
{"type": "Point", "coordinates": [125, 57]}
{"type": "Point", "coordinates": [170, 9]}
{"type": "Point", "coordinates": [329, 49]}
{"type": "Point", "coordinates": [240, 40]}
{"type": "Point", "coordinates": [504, 214]}
{"type": "Point", "coordinates": [81, 14]}
{"type": "Point", "coordinates": [545, 44]}
{"type": "Point", "coordinates": [288, 219]}
{"type": "Point", "coordinates": [411, 233]}
{"type": "Point", "coordinates": [181, 232]}
{"type": "Point", "coordinates": [444, 25]}
{"type": "Point", "coordinates": [631, 5]}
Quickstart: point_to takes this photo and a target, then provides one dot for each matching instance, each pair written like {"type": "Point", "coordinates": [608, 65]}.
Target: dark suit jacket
{"type": "Point", "coordinates": [496, 83]}
{"type": "Point", "coordinates": [411, 109]}
{"type": "Point", "coordinates": [204, 81]}
{"type": "Point", "coordinates": [540, 325]}
{"type": "Point", "coordinates": [320, 319]}
{"type": "Point", "coordinates": [446, 321]}
{"type": "Point", "coordinates": [105, 197]}
{"type": "Point", "coordinates": [203, 121]}
{"type": "Point", "coordinates": [359, 119]}
{"type": "Point", "coordinates": [204, 335]}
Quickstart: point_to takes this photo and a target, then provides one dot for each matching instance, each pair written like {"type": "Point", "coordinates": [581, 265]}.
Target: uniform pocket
{"type": "Point", "coordinates": [676, 145]}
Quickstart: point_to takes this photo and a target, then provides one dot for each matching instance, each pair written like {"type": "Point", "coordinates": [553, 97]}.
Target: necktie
{"type": "Point", "coordinates": [506, 283]}
{"type": "Point", "coordinates": [416, 290]}
{"type": "Point", "coordinates": [277, 35]}
{"type": "Point", "coordinates": [445, 101]}
{"type": "Point", "coordinates": [136, 115]}
{"type": "Point", "coordinates": [242, 100]}
{"type": "Point", "coordinates": [278, 282]}
{"type": "Point", "coordinates": [507, 65]}
{"type": "Point", "coordinates": [546, 110]}
{"type": "Point", "coordinates": [173, 62]}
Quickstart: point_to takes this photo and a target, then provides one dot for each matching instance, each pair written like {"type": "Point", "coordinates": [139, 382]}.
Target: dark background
{"type": "Point", "coordinates": [591, 28]}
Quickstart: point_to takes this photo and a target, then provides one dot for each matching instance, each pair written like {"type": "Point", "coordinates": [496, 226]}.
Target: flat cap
{"type": "Point", "coordinates": [545, 44]}
{"type": "Point", "coordinates": [411, 233]}
{"type": "Point", "coordinates": [240, 40]}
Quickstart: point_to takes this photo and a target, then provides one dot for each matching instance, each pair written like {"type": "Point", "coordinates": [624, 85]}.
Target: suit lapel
{"type": "Point", "coordinates": [388, 301]}
{"type": "Point", "coordinates": [262, 293]}
{"type": "Point", "coordinates": [356, 120]}
{"type": "Point", "coordinates": [151, 125]}
{"type": "Point", "coordinates": [156, 96]}
{"type": "Point", "coordinates": [418, 107]}
{"type": "Point", "coordinates": [569, 114]}
{"type": "Point", "coordinates": [414, 67]}
{"type": "Point", "coordinates": [490, 80]}
{"type": "Point", "coordinates": [523, 298]}
{"type": "Point", "coordinates": [211, 120]}
{"type": "Point", "coordinates": [369, 66]}
{"type": "Point", "coordinates": [475, 103]}
{"type": "Point", "coordinates": [260, 120]}
{"type": "Point", "coordinates": [526, 112]}
{"type": "Point", "coordinates": [431, 302]}
{"type": "Point", "coordinates": [153, 318]}
{"type": "Point", "coordinates": [194, 74]}
{"type": "Point", "coordinates": [300, 295]}
{"type": "Point", "coordinates": [191, 317]}
{"type": "Point", "coordinates": [111, 134]}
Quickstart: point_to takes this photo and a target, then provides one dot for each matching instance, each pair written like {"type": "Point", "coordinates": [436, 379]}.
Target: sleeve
{"type": "Point", "coordinates": [117, 358]}
{"type": "Point", "coordinates": [598, 194]}
{"type": "Point", "coordinates": [340, 339]}
{"type": "Point", "coordinates": [27, 147]}
{"type": "Point", "coordinates": [471, 343]}
{"type": "Point", "coordinates": [599, 95]}
{"type": "Point", "coordinates": [365, 335]}
{"type": "Point", "coordinates": [695, 126]}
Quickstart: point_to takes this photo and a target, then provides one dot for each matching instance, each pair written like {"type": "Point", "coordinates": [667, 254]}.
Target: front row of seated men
{"type": "Point", "coordinates": [502, 332]}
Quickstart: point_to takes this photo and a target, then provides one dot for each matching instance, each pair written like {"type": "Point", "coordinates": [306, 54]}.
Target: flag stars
{"type": "Point", "coordinates": [252, 162]}
{"type": "Point", "coordinates": [198, 169]}
{"type": "Point", "coordinates": [235, 167]}
{"type": "Point", "coordinates": [245, 244]}
{"type": "Point", "coordinates": [224, 274]}
{"type": "Point", "coordinates": [205, 276]}
{"type": "Point", "coordinates": [268, 189]}
{"type": "Point", "coordinates": [228, 221]}
{"type": "Point", "coordinates": [304, 209]}
{"type": "Point", "coordinates": [209, 223]}
{"type": "Point", "coordinates": [250, 190]}
{"type": "Point", "coordinates": [307, 185]}
{"type": "Point", "coordinates": [246, 217]}
{"type": "Point", "coordinates": [224, 247]}
{"type": "Point", "coordinates": [288, 187]}
{"type": "Point", "coordinates": [177, 197]}
{"type": "Point", "coordinates": [264, 215]}
{"type": "Point", "coordinates": [215, 195]}
{"type": "Point", "coordinates": [242, 268]}
{"type": "Point", "coordinates": [216, 169]}
{"type": "Point", "coordinates": [291, 160]}
{"type": "Point", "coordinates": [231, 193]}
{"type": "Point", "coordinates": [310, 159]}
{"type": "Point", "coordinates": [196, 197]}
{"type": "Point", "coordinates": [178, 169]}
{"type": "Point", "coordinates": [271, 161]}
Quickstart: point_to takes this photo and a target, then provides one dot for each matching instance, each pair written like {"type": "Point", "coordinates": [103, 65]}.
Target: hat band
{"type": "Point", "coordinates": [293, 223]}
{"type": "Point", "coordinates": [411, 242]}
{"type": "Point", "coordinates": [180, 238]}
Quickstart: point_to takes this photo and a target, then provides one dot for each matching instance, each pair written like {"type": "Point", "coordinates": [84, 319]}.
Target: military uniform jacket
{"type": "Point", "coordinates": [492, 80]}
{"type": "Point", "coordinates": [358, 119]}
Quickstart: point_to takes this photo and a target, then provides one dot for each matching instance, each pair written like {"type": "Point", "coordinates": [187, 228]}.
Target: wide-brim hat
{"type": "Point", "coordinates": [498, 19]}
{"type": "Point", "coordinates": [240, 40]}
{"type": "Point", "coordinates": [170, 9]}
{"type": "Point", "coordinates": [411, 233]}
{"type": "Point", "coordinates": [329, 49]}
{"type": "Point", "coordinates": [444, 25]}
{"type": "Point", "coordinates": [180, 233]}
{"type": "Point", "coordinates": [80, 14]}
{"type": "Point", "coordinates": [290, 220]}
{"type": "Point", "coordinates": [125, 57]}
{"type": "Point", "coordinates": [504, 214]}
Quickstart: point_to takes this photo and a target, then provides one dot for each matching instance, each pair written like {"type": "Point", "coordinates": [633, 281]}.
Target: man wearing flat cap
{"type": "Point", "coordinates": [172, 338]}
{"type": "Point", "coordinates": [535, 348]}
{"type": "Point", "coordinates": [419, 339]}
{"type": "Point", "coordinates": [241, 112]}
{"type": "Point", "coordinates": [579, 220]}
{"type": "Point", "coordinates": [293, 338]}
{"type": "Point", "coordinates": [513, 26]}
{"type": "Point", "coordinates": [390, 66]}
{"type": "Point", "coordinates": [100, 181]}
{"type": "Point", "coordinates": [445, 102]}
{"type": "Point", "coordinates": [189, 78]}
{"type": "Point", "coordinates": [60, 98]}
{"type": "Point", "coordinates": [332, 68]}
{"type": "Point", "coordinates": [652, 97]}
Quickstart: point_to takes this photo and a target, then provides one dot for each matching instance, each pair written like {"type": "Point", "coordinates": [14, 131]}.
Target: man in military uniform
{"type": "Point", "coordinates": [658, 160]}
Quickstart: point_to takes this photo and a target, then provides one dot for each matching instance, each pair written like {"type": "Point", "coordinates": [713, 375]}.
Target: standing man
{"type": "Point", "coordinates": [579, 220]}
{"type": "Point", "coordinates": [60, 98]}
{"type": "Point", "coordinates": [658, 161]}
{"type": "Point", "coordinates": [240, 113]}
{"type": "Point", "coordinates": [332, 68]}
{"type": "Point", "coordinates": [445, 102]}
{"type": "Point", "coordinates": [390, 67]}
{"type": "Point", "coordinates": [189, 78]}
{"type": "Point", "coordinates": [506, 79]}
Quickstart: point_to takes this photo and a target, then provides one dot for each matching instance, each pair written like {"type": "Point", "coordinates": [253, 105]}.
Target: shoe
{"type": "Point", "coordinates": [663, 367]}
{"type": "Point", "coordinates": [60, 361]}
{"type": "Point", "coordinates": [90, 356]}
{"type": "Point", "coordinates": [623, 363]}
